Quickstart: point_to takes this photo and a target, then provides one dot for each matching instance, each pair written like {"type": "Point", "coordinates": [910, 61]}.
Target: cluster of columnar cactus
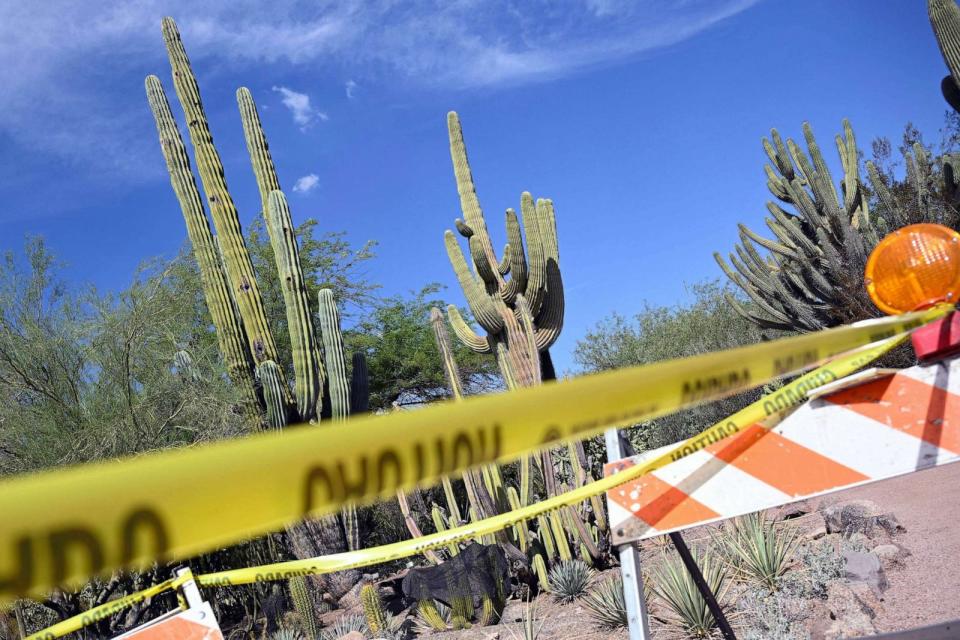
{"type": "Point", "coordinates": [518, 301]}
{"type": "Point", "coordinates": [809, 276]}
{"type": "Point", "coordinates": [322, 386]}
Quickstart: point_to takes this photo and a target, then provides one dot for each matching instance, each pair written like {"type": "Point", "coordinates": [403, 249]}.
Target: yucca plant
{"type": "Point", "coordinates": [606, 605]}
{"type": "Point", "coordinates": [758, 549]}
{"type": "Point", "coordinates": [687, 609]}
{"type": "Point", "coordinates": [569, 580]}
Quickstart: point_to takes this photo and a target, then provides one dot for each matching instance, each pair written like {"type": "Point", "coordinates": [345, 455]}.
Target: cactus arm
{"type": "Point", "coordinates": [469, 203]}
{"type": "Point", "coordinates": [945, 20]}
{"type": "Point", "coordinates": [412, 526]}
{"type": "Point", "coordinates": [537, 265]}
{"type": "Point", "coordinates": [475, 342]}
{"type": "Point", "coordinates": [309, 372]}
{"type": "Point", "coordinates": [480, 303]}
{"type": "Point", "coordinates": [336, 365]}
{"type": "Point", "coordinates": [258, 149]}
{"type": "Point", "coordinates": [268, 373]}
{"type": "Point", "coordinates": [506, 260]}
{"type": "Point", "coordinates": [216, 288]}
{"type": "Point", "coordinates": [236, 258]}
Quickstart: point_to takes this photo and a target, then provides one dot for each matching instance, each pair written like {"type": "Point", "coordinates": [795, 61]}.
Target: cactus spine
{"type": "Point", "coordinates": [373, 609]}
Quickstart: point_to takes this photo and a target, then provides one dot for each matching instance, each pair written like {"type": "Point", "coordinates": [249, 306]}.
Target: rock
{"type": "Point", "coordinates": [353, 635]}
{"type": "Point", "coordinates": [351, 600]}
{"type": "Point", "coordinates": [813, 526]}
{"type": "Point", "coordinates": [792, 510]}
{"type": "Point", "coordinates": [890, 555]}
{"type": "Point", "coordinates": [864, 568]}
{"type": "Point", "coordinates": [850, 618]}
{"type": "Point", "coordinates": [859, 516]}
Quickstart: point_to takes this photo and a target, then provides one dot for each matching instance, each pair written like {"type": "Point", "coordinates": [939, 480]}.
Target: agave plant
{"type": "Point", "coordinates": [606, 605]}
{"type": "Point", "coordinates": [344, 625]}
{"type": "Point", "coordinates": [687, 609]}
{"type": "Point", "coordinates": [569, 580]}
{"type": "Point", "coordinates": [760, 550]}
{"type": "Point", "coordinates": [431, 616]}
{"type": "Point", "coordinates": [287, 634]}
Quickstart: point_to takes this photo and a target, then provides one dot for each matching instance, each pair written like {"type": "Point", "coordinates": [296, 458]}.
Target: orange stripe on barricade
{"type": "Point", "coordinates": [907, 405]}
{"type": "Point", "coordinates": [660, 504]}
{"type": "Point", "coordinates": [782, 463]}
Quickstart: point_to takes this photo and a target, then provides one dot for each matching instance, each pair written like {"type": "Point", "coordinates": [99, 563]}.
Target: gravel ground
{"type": "Point", "coordinates": [926, 589]}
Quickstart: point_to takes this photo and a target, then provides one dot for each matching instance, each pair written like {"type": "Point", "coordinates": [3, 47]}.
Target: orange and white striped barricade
{"type": "Point", "coordinates": [893, 424]}
{"type": "Point", "coordinates": [194, 623]}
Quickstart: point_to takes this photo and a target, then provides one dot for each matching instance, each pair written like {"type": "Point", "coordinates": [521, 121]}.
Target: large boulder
{"type": "Point", "coordinates": [860, 516]}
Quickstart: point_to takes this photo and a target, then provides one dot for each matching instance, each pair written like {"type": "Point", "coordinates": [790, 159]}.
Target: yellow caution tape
{"type": "Point", "coordinates": [760, 411]}
{"type": "Point", "coordinates": [92, 616]}
{"type": "Point", "coordinates": [63, 526]}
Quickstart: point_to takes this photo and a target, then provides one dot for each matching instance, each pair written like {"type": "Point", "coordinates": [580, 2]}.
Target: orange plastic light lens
{"type": "Point", "coordinates": [914, 267]}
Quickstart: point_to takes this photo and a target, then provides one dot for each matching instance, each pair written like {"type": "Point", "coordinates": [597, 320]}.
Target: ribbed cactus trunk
{"type": "Point", "coordinates": [945, 20]}
{"type": "Point", "coordinates": [216, 288]}
{"type": "Point", "coordinates": [236, 258]}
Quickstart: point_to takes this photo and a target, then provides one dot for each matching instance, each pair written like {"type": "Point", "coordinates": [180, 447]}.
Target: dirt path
{"type": "Point", "coordinates": [926, 589]}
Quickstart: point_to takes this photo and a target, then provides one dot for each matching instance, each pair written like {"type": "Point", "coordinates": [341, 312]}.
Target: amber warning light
{"type": "Point", "coordinates": [913, 268]}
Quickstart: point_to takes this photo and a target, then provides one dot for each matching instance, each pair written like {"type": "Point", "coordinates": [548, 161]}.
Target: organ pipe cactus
{"type": "Point", "coordinates": [809, 275]}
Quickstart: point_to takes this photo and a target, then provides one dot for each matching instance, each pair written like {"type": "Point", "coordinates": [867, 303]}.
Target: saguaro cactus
{"type": "Point", "coordinates": [945, 20]}
{"type": "Point", "coordinates": [517, 299]}
{"type": "Point", "coordinates": [233, 295]}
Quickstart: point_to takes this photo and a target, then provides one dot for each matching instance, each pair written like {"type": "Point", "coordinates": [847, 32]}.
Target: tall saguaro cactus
{"type": "Point", "coordinates": [233, 295]}
{"type": "Point", "coordinates": [517, 299]}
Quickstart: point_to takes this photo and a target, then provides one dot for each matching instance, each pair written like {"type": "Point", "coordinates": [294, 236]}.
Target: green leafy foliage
{"type": "Point", "coordinates": [705, 323]}
{"type": "Point", "coordinates": [85, 376]}
{"type": "Point", "coordinates": [404, 364]}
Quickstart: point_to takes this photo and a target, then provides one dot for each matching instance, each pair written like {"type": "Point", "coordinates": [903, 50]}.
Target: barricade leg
{"type": "Point", "coordinates": [637, 620]}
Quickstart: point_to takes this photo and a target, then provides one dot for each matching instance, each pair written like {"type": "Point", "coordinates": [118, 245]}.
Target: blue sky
{"type": "Point", "coordinates": [642, 120]}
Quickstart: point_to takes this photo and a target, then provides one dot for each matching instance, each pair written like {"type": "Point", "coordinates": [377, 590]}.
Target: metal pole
{"type": "Point", "coordinates": [190, 591]}
{"type": "Point", "coordinates": [638, 622]}
{"type": "Point", "coordinates": [702, 585]}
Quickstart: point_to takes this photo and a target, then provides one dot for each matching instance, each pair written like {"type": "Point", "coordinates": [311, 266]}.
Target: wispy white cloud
{"type": "Point", "coordinates": [71, 71]}
{"type": "Point", "coordinates": [351, 87]}
{"type": "Point", "coordinates": [299, 105]}
{"type": "Point", "coordinates": [307, 183]}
